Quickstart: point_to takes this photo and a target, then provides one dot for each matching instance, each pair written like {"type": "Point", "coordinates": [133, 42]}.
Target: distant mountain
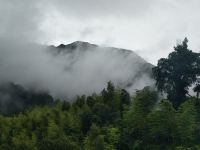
{"type": "Point", "coordinates": [86, 46]}
{"type": "Point", "coordinates": [127, 58]}
{"type": "Point", "coordinates": [15, 98]}
{"type": "Point", "coordinates": [66, 71]}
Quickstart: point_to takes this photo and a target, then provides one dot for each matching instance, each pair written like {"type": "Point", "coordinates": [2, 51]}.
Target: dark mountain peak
{"type": "Point", "coordinates": [77, 45]}
{"type": "Point", "coordinates": [81, 43]}
{"type": "Point", "coordinates": [82, 46]}
{"type": "Point", "coordinates": [61, 46]}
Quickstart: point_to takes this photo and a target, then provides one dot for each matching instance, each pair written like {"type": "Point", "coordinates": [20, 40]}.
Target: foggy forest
{"type": "Point", "coordinates": [99, 75]}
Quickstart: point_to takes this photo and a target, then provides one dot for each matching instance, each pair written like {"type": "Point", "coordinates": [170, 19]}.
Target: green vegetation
{"type": "Point", "coordinates": [113, 120]}
{"type": "Point", "coordinates": [93, 123]}
{"type": "Point", "coordinates": [177, 73]}
{"type": "Point", "coordinates": [15, 99]}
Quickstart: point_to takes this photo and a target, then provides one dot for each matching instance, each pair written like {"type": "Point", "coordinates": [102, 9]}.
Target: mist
{"type": "Point", "coordinates": [148, 27]}
{"type": "Point", "coordinates": [28, 27]}
{"type": "Point", "coordinates": [66, 75]}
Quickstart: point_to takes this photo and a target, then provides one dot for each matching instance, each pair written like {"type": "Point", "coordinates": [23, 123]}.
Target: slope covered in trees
{"type": "Point", "coordinates": [15, 98]}
{"type": "Point", "coordinates": [109, 121]}
{"type": "Point", "coordinates": [114, 120]}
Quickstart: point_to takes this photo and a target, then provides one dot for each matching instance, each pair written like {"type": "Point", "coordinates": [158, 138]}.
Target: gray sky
{"type": "Point", "coordinates": [149, 27]}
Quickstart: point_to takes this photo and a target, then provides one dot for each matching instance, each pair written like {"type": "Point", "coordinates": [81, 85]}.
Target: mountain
{"type": "Point", "coordinates": [35, 74]}
{"type": "Point", "coordinates": [136, 70]}
{"type": "Point", "coordinates": [86, 46]}
{"type": "Point", "coordinates": [15, 98]}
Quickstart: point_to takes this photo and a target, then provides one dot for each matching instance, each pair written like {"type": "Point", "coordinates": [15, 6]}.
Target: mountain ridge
{"type": "Point", "coordinates": [140, 67]}
{"type": "Point", "coordinates": [89, 46]}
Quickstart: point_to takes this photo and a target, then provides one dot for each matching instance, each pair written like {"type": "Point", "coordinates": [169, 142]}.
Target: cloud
{"type": "Point", "coordinates": [20, 19]}
{"type": "Point", "coordinates": [101, 8]}
{"type": "Point", "coordinates": [68, 74]}
{"type": "Point", "coordinates": [150, 27]}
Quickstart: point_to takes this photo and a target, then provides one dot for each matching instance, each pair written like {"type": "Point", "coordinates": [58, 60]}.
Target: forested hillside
{"type": "Point", "coordinates": [108, 121]}
{"type": "Point", "coordinates": [15, 98]}
{"type": "Point", "coordinates": [113, 119]}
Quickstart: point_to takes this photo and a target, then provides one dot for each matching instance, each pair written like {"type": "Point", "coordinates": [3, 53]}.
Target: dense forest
{"type": "Point", "coordinates": [114, 120]}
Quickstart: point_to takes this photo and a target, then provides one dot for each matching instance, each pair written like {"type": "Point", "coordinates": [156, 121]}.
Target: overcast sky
{"type": "Point", "coordinates": [149, 27]}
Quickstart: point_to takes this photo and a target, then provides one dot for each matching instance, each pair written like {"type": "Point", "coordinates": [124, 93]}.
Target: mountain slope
{"type": "Point", "coordinates": [65, 71]}
{"type": "Point", "coordinates": [123, 67]}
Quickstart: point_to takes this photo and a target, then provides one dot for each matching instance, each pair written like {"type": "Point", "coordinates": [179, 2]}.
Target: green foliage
{"type": "Point", "coordinates": [94, 140]}
{"type": "Point", "coordinates": [108, 94]}
{"type": "Point", "coordinates": [187, 122]}
{"type": "Point", "coordinates": [162, 128]}
{"type": "Point", "coordinates": [176, 73]}
{"type": "Point", "coordinates": [15, 99]}
{"type": "Point", "coordinates": [134, 125]}
{"type": "Point", "coordinates": [110, 121]}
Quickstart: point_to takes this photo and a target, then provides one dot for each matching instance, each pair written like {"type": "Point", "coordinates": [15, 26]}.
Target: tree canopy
{"type": "Point", "coordinates": [175, 74]}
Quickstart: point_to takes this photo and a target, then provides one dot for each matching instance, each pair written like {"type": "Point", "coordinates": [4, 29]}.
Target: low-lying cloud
{"type": "Point", "coordinates": [69, 74]}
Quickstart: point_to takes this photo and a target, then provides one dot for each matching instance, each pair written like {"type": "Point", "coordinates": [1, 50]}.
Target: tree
{"type": "Point", "coordinates": [124, 99]}
{"type": "Point", "coordinates": [102, 112]}
{"type": "Point", "coordinates": [112, 135]}
{"type": "Point", "coordinates": [187, 123]}
{"type": "Point", "coordinates": [108, 94]}
{"type": "Point", "coordinates": [90, 101]}
{"type": "Point", "coordinates": [80, 101]}
{"type": "Point", "coordinates": [175, 74]}
{"type": "Point", "coordinates": [197, 89]}
{"type": "Point", "coordinates": [162, 128]}
{"type": "Point", "coordinates": [134, 125]}
{"type": "Point", "coordinates": [94, 141]}
{"type": "Point", "coordinates": [86, 119]}
{"type": "Point", "coordinates": [65, 106]}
